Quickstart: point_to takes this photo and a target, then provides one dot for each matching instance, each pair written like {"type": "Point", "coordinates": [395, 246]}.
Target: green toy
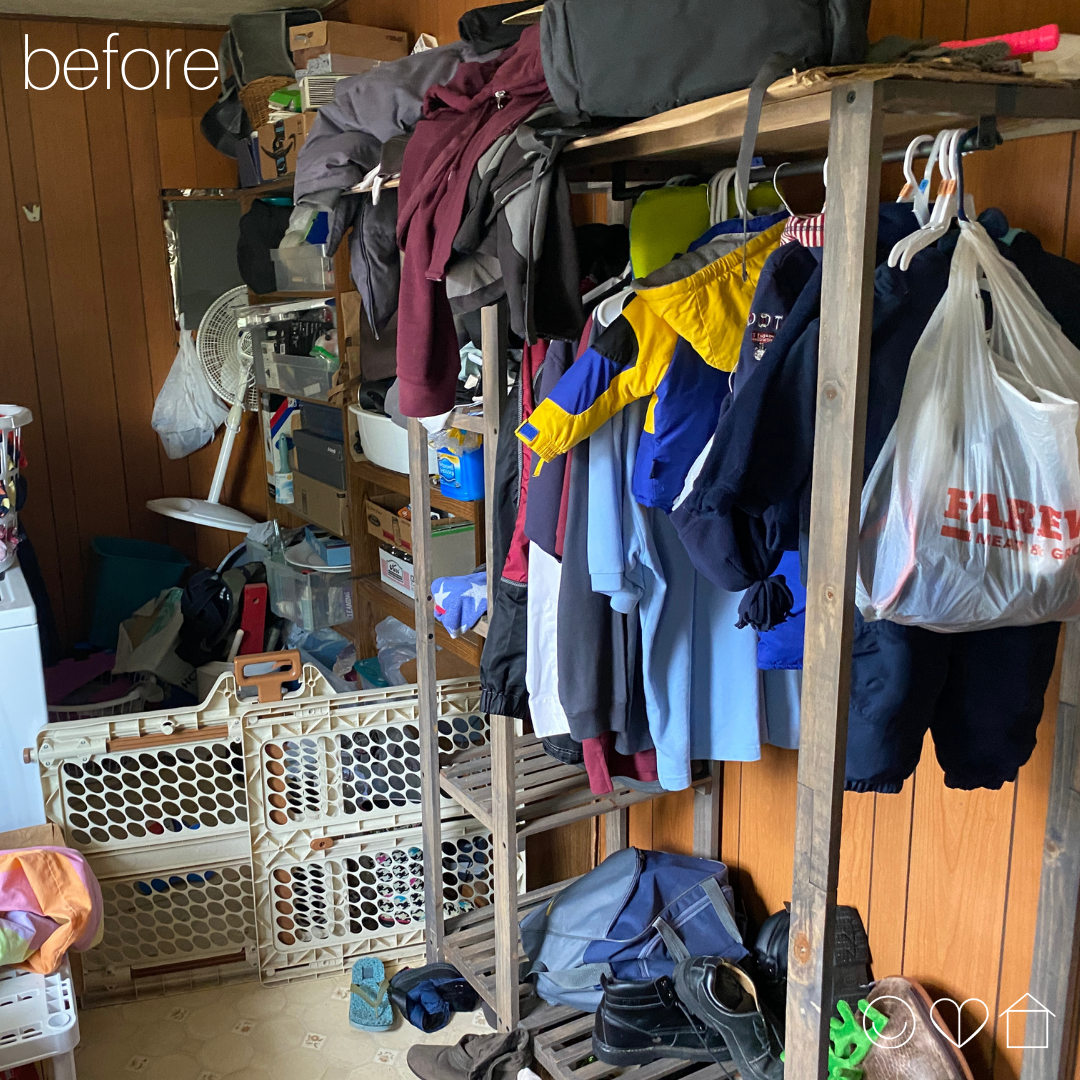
{"type": "Point", "coordinates": [851, 1041]}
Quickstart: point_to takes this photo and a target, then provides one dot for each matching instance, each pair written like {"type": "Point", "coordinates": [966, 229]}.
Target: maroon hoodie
{"type": "Point", "coordinates": [482, 102]}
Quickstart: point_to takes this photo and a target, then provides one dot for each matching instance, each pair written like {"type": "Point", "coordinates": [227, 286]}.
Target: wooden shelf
{"type": "Point", "coordinates": [277, 508]}
{"type": "Point", "coordinates": [399, 482]}
{"type": "Point", "coordinates": [296, 397]}
{"type": "Point", "coordinates": [372, 588]}
{"type": "Point", "coordinates": [267, 187]}
{"type": "Point", "coordinates": [469, 943]}
{"type": "Point", "coordinates": [548, 793]}
{"type": "Point", "coordinates": [795, 117]}
{"type": "Point", "coordinates": [284, 297]}
{"type": "Point", "coordinates": [562, 1036]}
{"type": "Point", "coordinates": [468, 422]}
{"type": "Point", "coordinates": [562, 1044]}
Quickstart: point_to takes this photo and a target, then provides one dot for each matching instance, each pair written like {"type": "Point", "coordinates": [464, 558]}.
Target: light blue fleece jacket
{"type": "Point", "coordinates": [702, 689]}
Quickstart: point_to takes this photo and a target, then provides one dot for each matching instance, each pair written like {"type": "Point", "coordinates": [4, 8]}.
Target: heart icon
{"type": "Point", "coordinates": [959, 1019]}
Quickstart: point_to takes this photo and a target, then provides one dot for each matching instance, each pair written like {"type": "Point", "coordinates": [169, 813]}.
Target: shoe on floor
{"type": "Point", "coordinates": [927, 1054]}
{"type": "Point", "coordinates": [369, 1004]}
{"type": "Point", "coordinates": [851, 962]}
{"type": "Point", "coordinates": [475, 1057]}
{"type": "Point", "coordinates": [639, 1022]}
{"type": "Point", "coordinates": [723, 997]}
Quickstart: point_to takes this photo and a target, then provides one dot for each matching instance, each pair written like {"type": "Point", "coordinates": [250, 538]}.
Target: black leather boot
{"type": "Point", "coordinates": [638, 1022]}
{"type": "Point", "coordinates": [723, 997]}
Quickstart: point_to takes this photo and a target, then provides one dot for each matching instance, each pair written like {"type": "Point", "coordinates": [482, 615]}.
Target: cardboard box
{"type": "Point", "coordinates": [384, 524]}
{"type": "Point", "coordinates": [333, 550]}
{"type": "Point", "coordinates": [321, 503]}
{"type": "Point", "coordinates": [33, 836]}
{"type": "Point", "coordinates": [280, 142]}
{"type": "Point", "coordinates": [452, 554]}
{"type": "Point", "coordinates": [350, 39]}
{"type": "Point", "coordinates": [315, 62]}
{"type": "Point", "coordinates": [396, 569]}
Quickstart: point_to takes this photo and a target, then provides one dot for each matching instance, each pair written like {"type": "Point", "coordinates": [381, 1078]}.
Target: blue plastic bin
{"type": "Point", "coordinates": [461, 476]}
{"type": "Point", "coordinates": [129, 572]}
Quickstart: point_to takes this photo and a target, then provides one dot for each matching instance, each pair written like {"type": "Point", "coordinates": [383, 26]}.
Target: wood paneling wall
{"type": "Point", "coordinates": [88, 331]}
{"type": "Point", "coordinates": [438, 17]}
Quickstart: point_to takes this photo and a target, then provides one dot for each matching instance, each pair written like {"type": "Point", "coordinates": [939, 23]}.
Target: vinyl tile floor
{"type": "Point", "coordinates": [297, 1031]}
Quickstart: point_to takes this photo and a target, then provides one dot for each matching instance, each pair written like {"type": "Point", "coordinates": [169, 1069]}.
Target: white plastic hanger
{"type": "Point", "coordinates": [945, 206]}
{"type": "Point", "coordinates": [922, 197]}
{"type": "Point", "coordinates": [913, 188]}
{"type": "Point", "coordinates": [719, 186]}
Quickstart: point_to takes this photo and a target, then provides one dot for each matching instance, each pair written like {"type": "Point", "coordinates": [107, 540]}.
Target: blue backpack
{"type": "Point", "coordinates": [633, 917]}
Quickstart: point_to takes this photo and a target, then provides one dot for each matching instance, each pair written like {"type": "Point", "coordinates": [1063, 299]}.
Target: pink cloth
{"type": "Point", "coordinates": [603, 761]}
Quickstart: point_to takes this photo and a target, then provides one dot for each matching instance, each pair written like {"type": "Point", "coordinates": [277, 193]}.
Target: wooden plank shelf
{"type": "Point", "coordinates": [548, 793]}
{"type": "Point", "coordinates": [296, 397]}
{"type": "Point", "coordinates": [469, 943]}
{"type": "Point", "coordinates": [562, 1036]}
{"type": "Point", "coordinates": [399, 483]}
{"type": "Point", "coordinates": [372, 588]}
{"type": "Point", "coordinates": [285, 297]}
{"type": "Point", "coordinates": [795, 118]}
{"type": "Point", "coordinates": [563, 1047]}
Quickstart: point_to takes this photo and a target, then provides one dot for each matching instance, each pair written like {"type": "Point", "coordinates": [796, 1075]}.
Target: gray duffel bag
{"type": "Point", "coordinates": [635, 58]}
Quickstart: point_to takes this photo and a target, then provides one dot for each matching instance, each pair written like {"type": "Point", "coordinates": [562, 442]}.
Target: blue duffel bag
{"type": "Point", "coordinates": [633, 917]}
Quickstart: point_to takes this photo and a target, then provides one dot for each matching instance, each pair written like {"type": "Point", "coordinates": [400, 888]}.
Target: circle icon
{"type": "Point", "coordinates": [899, 1038]}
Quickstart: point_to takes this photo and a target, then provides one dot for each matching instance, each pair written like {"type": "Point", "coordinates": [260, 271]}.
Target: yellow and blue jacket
{"type": "Point", "coordinates": [674, 342]}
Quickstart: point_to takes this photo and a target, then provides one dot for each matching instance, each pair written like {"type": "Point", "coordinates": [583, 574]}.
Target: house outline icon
{"type": "Point", "coordinates": [1036, 1036]}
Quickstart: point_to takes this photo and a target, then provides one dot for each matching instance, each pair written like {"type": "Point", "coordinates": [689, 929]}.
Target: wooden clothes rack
{"type": "Point", "coordinates": [515, 790]}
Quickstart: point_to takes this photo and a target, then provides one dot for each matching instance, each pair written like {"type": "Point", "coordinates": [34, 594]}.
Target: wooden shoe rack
{"type": "Point", "coordinates": [509, 786]}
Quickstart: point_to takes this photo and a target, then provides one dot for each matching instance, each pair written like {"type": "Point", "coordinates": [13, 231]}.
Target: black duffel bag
{"type": "Point", "coordinates": [635, 58]}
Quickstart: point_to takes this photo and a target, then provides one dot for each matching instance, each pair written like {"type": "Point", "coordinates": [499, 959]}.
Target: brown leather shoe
{"type": "Point", "coordinates": [927, 1054]}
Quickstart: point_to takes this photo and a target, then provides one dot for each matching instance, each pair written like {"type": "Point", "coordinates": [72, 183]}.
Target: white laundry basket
{"type": "Point", "coordinates": [13, 418]}
{"type": "Point", "coordinates": [38, 1020]}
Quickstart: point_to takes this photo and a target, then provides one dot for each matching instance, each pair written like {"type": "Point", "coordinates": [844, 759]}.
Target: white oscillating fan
{"type": "Point", "coordinates": [225, 352]}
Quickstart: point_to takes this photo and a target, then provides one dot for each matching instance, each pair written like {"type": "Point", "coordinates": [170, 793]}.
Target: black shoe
{"type": "Point", "coordinates": [767, 963]}
{"type": "Point", "coordinates": [722, 996]}
{"type": "Point", "coordinates": [638, 1022]}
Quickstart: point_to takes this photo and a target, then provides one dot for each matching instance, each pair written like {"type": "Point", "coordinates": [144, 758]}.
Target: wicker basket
{"type": "Point", "coordinates": [256, 97]}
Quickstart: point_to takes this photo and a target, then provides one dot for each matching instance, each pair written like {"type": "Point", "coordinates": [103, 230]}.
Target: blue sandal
{"type": "Point", "coordinates": [369, 1005]}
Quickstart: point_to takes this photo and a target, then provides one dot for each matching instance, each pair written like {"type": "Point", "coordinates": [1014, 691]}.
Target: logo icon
{"type": "Point", "coordinates": [1027, 1024]}
{"type": "Point", "coordinates": [900, 1029]}
{"type": "Point", "coordinates": [958, 1040]}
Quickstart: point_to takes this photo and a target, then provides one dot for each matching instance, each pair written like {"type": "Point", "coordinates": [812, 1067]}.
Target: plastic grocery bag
{"type": "Point", "coordinates": [187, 412]}
{"type": "Point", "coordinates": [971, 514]}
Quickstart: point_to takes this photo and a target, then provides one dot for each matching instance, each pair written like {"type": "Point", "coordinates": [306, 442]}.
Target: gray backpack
{"type": "Point", "coordinates": [633, 917]}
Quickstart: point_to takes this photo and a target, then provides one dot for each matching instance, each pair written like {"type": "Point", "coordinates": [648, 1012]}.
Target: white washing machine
{"type": "Point", "coordinates": [22, 703]}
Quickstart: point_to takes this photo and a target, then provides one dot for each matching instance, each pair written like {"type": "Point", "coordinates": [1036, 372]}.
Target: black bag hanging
{"type": "Point", "coordinates": [635, 58]}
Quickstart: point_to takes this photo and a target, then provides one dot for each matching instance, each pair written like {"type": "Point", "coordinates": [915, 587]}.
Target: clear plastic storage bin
{"type": "Point", "coordinates": [311, 599]}
{"type": "Point", "coordinates": [305, 268]}
{"type": "Point", "coordinates": [303, 376]}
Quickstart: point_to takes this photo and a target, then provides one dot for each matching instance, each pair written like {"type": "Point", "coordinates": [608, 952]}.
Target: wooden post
{"type": "Point", "coordinates": [616, 831]}
{"type": "Point", "coordinates": [1054, 959]}
{"type": "Point", "coordinates": [493, 346]}
{"type": "Point", "coordinates": [430, 801]}
{"type": "Point", "coordinates": [855, 136]}
{"type": "Point", "coordinates": [707, 814]}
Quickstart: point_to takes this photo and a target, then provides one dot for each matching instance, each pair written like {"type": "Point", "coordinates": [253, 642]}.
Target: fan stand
{"type": "Point", "coordinates": [209, 511]}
